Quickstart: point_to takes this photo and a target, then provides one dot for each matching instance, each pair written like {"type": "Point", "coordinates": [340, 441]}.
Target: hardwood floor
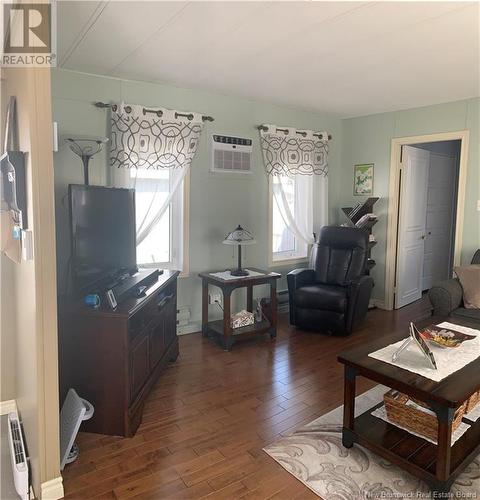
{"type": "Point", "coordinates": [212, 412]}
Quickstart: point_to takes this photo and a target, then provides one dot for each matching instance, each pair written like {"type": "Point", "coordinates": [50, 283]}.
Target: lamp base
{"type": "Point", "coordinates": [239, 272]}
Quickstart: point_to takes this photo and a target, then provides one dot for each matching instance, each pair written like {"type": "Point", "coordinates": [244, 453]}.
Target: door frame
{"type": "Point", "coordinates": [394, 201]}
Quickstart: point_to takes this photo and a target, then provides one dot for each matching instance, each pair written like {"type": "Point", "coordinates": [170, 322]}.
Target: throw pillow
{"type": "Point", "coordinates": [469, 277]}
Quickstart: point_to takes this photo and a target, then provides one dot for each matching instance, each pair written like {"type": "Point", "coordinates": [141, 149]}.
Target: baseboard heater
{"type": "Point", "coordinates": [185, 326]}
{"type": "Point", "coordinates": [18, 455]}
{"type": "Point", "coordinates": [283, 304]}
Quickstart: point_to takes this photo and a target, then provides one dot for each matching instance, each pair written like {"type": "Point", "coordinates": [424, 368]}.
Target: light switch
{"type": "Point", "coordinates": [478, 205]}
{"type": "Point", "coordinates": [55, 136]}
{"type": "Point", "coordinates": [27, 244]}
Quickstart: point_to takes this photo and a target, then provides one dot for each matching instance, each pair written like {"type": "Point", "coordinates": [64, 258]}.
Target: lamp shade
{"type": "Point", "coordinates": [85, 148]}
{"type": "Point", "coordinates": [239, 236]}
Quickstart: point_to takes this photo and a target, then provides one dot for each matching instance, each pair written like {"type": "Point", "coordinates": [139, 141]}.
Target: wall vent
{"type": "Point", "coordinates": [231, 154]}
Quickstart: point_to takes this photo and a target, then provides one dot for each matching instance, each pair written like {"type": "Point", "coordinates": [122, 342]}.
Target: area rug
{"type": "Point", "coordinates": [314, 455]}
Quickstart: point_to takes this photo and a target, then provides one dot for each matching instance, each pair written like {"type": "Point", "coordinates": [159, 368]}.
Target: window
{"type": "Point", "coordinates": [293, 195]}
{"type": "Point", "coordinates": [164, 245]}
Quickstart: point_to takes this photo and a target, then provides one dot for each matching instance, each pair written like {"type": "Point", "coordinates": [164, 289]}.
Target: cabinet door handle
{"type": "Point", "coordinates": [164, 301]}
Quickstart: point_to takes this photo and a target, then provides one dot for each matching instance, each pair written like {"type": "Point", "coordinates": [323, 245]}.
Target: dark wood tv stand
{"type": "Point", "coordinates": [112, 358]}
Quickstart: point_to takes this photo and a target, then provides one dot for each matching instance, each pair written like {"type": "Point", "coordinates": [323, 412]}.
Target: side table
{"type": "Point", "coordinates": [220, 330]}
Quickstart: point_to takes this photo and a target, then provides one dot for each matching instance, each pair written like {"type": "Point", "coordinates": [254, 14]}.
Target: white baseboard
{"type": "Point", "coordinates": [189, 328]}
{"type": "Point", "coordinates": [7, 406]}
{"type": "Point", "coordinates": [52, 490]}
{"type": "Point", "coordinates": [380, 304]}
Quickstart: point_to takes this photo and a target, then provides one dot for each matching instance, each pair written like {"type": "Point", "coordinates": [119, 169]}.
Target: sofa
{"type": "Point", "coordinates": [333, 294]}
{"type": "Point", "coordinates": [447, 298]}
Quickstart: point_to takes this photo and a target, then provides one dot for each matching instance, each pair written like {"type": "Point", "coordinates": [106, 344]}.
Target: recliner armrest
{"type": "Point", "coordinates": [300, 277]}
{"type": "Point", "coordinates": [446, 296]}
{"type": "Point", "coordinates": [358, 285]}
{"type": "Point", "coordinates": [296, 279]}
{"type": "Point", "coordinates": [355, 285]}
{"type": "Point", "coordinates": [359, 292]}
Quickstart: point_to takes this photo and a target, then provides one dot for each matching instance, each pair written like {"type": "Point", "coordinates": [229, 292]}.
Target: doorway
{"type": "Point", "coordinates": [425, 214]}
{"type": "Point", "coordinates": [441, 211]}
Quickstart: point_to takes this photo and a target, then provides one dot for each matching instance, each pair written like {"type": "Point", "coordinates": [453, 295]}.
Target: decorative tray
{"type": "Point", "coordinates": [444, 337]}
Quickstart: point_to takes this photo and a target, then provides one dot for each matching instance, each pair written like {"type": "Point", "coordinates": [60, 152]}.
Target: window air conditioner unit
{"type": "Point", "coordinates": [231, 154]}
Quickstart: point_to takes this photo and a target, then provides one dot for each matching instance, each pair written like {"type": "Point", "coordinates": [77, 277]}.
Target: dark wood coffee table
{"type": "Point", "coordinates": [438, 465]}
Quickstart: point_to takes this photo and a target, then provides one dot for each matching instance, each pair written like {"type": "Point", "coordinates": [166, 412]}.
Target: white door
{"type": "Point", "coordinates": [411, 225]}
{"type": "Point", "coordinates": [440, 221]}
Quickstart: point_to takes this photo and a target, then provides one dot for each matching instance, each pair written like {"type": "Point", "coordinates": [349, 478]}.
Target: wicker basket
{"type": "Point", "coordinates": [414, 419]}
{"type": "Point", "coordinates": [472, 401]}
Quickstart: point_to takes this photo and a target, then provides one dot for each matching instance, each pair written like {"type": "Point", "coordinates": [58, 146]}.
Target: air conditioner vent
{"type": "Point", "coordinates": [231, 154]}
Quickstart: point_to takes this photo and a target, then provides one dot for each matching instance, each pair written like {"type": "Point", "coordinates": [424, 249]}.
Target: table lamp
{"type": "Point", "coordinates": [239, 237]}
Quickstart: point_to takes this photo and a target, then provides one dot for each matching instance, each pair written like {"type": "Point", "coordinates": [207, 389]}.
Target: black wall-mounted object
{"type": "Point", "coordinates": [18, 160]}
{"type": "Point", "coordinates": [13, 161]}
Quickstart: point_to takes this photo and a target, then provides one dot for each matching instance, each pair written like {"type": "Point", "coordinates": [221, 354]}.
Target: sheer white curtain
{"type": "Point", "coordinates": [297, 216]}
{"type": "Point", "coordinates": [152, 218]}
{"type": "Point", "coordinates": [320, 202]}
{"type": "Point", "coordinates": [151, 151]}
{"type": "Point", "coordinates": [156, 200]}
{"type": "Point", "coordinates": [301, 157]}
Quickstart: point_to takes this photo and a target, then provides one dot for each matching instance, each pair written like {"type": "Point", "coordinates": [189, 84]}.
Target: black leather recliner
{"type": "Point", "coordinates": [332, 295]}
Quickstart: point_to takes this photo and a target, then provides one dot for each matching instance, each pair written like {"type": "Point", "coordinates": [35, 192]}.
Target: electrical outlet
{"type": "Point", "coordinates": [214, 298]}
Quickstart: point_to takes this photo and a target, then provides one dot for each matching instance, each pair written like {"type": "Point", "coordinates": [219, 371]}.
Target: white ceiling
{"type": "Point", "coordinates": [348, 58]}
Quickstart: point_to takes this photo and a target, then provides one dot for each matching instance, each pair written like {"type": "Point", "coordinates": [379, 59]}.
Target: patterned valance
{"type": "Point", "coordinates": [289, 151]}
{"type": "Point", "coordinates": [153, 138]}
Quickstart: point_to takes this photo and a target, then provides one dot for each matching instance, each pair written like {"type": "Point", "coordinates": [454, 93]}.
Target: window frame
{"type": "Point", "coordinates": [185, 236]}
{"type": "Point", "coordinates": [272, 261]}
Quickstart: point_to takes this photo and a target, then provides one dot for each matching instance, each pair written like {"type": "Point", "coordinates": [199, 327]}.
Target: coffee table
{"type": "Point", "coordinates": [438, 465]}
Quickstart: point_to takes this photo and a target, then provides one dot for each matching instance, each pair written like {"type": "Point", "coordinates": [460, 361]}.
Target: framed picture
{"type": "Point", "coordinates": [363, 179]}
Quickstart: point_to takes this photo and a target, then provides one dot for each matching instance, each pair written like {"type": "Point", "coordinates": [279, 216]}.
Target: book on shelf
{"type": "Point", "coordinates": [354, 210]}
{"type": "Point", "coordinates": [360, 209]}
{"type": "Point", "coordinates": [365, 220]}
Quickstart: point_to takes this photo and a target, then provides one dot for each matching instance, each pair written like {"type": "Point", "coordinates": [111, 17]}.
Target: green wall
{"type": "Point", "coordinates": [218, 202]}
{"type": "Point", "coordinates": [367, 139]}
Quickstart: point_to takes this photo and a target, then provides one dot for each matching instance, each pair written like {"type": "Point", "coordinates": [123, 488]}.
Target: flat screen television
{"type": "Point", "coordinates": [102, 222]}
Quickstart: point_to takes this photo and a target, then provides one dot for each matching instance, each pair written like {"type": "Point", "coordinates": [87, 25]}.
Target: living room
{"type": "Point", "coordinates": [168, 134]}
